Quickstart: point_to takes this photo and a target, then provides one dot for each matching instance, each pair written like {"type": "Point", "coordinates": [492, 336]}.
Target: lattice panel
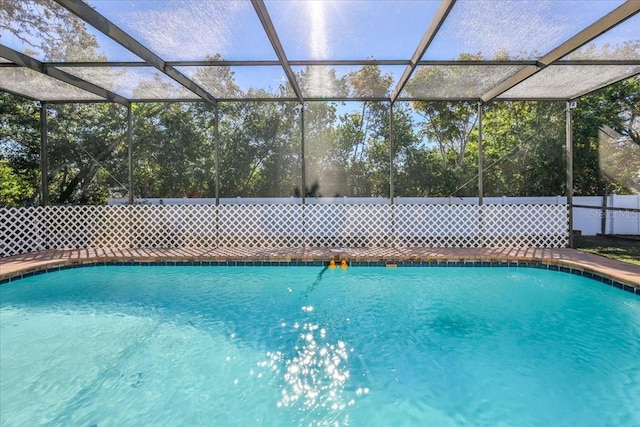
{"type": "Point", "coordinates": [437, 226]}
{"type": "Point", "coordinates": [111, 225]}
{"type": "Point", "coordinates": [348, 225]}
{"type": "Point", "coordinates": [75, 227]}
{"type": "Point", "coordinates": [24, 230]}
{"type": "Point", "coordinates": [260, 226]}
{"type": "Point", "coordinates": [194, 226]}
{"type": "Point", "coordinates": [525, 226]}
{"type": "Point", "coordinates": [173, 226]}
{"type": "Point", "coordinates": [21, 230]}
{"type": "Point", "coordinates": [70, 227]}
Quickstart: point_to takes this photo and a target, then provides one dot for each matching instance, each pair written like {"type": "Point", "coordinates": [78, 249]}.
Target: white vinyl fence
{"type": "Point", "coordinates": [589, 220]}
{"type": "Point", "coordinates": [166, 225]}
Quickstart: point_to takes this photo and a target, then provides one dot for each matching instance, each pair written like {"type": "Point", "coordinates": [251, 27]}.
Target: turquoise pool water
{"type": "Point", "coordinates": [365, 346]}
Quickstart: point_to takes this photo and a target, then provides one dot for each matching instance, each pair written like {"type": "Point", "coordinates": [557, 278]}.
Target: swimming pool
{"type": "Point", "coordinates": [167, 345]}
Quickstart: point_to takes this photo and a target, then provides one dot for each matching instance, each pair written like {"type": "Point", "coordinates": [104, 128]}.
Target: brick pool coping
{"type": "Point", "coordinates": [610, 271]}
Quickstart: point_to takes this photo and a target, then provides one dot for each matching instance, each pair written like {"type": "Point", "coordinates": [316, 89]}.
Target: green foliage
{"type": "Point", "coordinates": [348, 147]}
{"type": "Point", "coordinates": [172, 155]}
{"type": "Point", "coordinates": [20, 146]}
{"type": "Point", "coordinates": [617, 107]}
{"type": "Point", "coordinates": [87, 146]}
{"type": "Point", "coordinates": [523, 147]}
{"type": "Point", "coordinates": [14, 189]}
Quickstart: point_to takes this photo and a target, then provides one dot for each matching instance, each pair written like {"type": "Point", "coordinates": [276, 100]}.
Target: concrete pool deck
{"type": "Point", "coordinates": [571, 260]}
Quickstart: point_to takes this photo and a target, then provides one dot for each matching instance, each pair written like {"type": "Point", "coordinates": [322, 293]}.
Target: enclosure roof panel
{"type": "Point", "coordinates": [181, 30]}
{"type": "Point", "coordinates": [620, 43]}
{"type": "Point", "coordinates": [46, 31]}
{"type": "Point", "coordinates": [512, 29]}
{"type": "Point", "coordinates": [35, 85]}
{"type": "Point", "coordinates": [347, 81]}
{"type": "Point", "coordinates": [453, 81]}
{"type": "Point", "coordinates": [210, 50]}
{"type": "Point", "coordinates": [357, 30]}
{"type": "Point", "coordinates": [240, 82]}
{"type": "Point", "coordinates": [559, 81]}
{"type": "Point", "coordinates": [135, 83]}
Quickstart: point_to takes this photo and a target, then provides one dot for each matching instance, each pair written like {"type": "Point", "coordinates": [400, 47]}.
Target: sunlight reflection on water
{"type": "Point", "coordinates": [315, 378]}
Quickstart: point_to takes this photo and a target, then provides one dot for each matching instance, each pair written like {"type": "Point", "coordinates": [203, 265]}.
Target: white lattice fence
{"type": "Point", "coordinates": [545, 226]}
{"type": "Point", "coordinates": [173, 226]}
{"type": "Point", "coordinates": [21, 230]}
{"type": "Point", "coordinates": [75, 227]}
{"type": "Point", "coordinates": [194, 226]}
{"type": "Point", "coordinates": [348, 225]}
{"type": "Point", "coordinates": [24, 230]}
{"type": "Point", "coordinates": [260, 225]}
{"type": "Point", "coordinates": [437, 226]}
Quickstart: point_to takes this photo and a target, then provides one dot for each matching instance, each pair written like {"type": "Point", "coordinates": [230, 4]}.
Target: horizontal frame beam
{"type": "Point", "coordinates": [312, 63]}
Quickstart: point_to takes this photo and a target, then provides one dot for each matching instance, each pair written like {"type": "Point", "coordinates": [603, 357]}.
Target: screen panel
{"type": "Point", "coordinates": [35, 85]}
{"type": "Point", "coordinates": [512, 29]}
{"type": "Point", "coordinates": [455, 81]}
{"type": "Point", "coordinates": [133, 82]}
{"type": "Point", "coordinates": [237, 82]}
{"type": "Point", "coordinates": [568, 81]}
{"type": "Point", "coordinates": [350, 29]}
{"type": "Point", "coordinates": [44, 30]}
{"type": "Point", "coordinates": [619, 43]}
{"type": "Point", "coordinates": [366, 81]}
{"type": "Point", "coordinates": [183, 30]}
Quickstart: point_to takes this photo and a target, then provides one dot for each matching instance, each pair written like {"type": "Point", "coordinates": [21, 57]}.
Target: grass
{"type": "Point", "coordinates": [622, 249]}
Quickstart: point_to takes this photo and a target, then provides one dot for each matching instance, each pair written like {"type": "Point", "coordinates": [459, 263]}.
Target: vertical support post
{"type": "Point", "coordinates": [216, 135]}
{"type": "Point", "coordinates": [603, 217]}
{"type": "Point", "coordinates": [391, 157]}
{"type": "Point", "coordinates": [303, 170]}
{"type": "Point", "coordinates": [130, 151]}
{"type": "Point", "coordinates": [480, 178]}
{"type": "Point", "coordinates": [44, 156]}
{"type": "Point", "coordinates": [391, 180]}
{"type": "Point", "coordinates": [303, 177]}
{"type": "Point", "coordinates": [569, 155]}
{"type": "Point", "coordinates": [480, 158]}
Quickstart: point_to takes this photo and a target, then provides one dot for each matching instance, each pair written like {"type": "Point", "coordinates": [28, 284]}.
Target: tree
{"type": "Point", "coordinates": [617, 107]}
{"type": "Point", "coordinates": [85, 142]}
{"type": "Point", "coordinates": [523, 145]}
{"type": "Point", "coordinates": [357, 147]}
{"type": "Point", "coordinates": [20, 148]}
{"type": "Point", "coordinates": [172, 157]}
{"type": "Point", "coordinates": [13, 187]}
{"type": "Point", "coordinates": [449, 124]}
{"type": "Point", "coordinates": [423, 175]}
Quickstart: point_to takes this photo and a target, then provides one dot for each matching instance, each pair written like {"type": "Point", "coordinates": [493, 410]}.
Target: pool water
{"type": "Point", "coordinates": [276, 346]}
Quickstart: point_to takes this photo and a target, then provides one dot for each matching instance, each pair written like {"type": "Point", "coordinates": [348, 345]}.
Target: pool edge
{"type": "Point", "coordinates": [611, 272]}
